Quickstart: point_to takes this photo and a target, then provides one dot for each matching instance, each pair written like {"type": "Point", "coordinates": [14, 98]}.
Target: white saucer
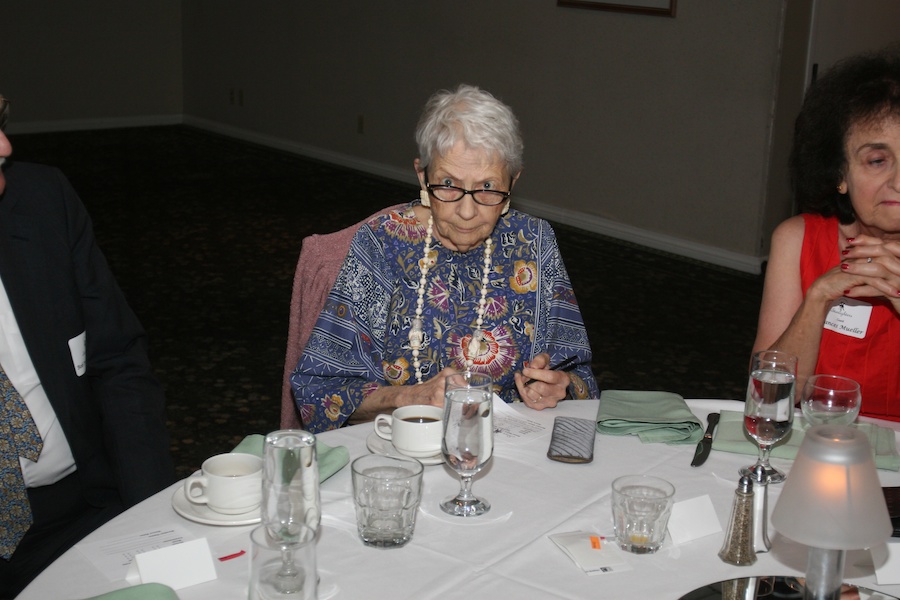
{"type": "Point", "coordinates": [379, 445]}
{"type": "Point", "coordinates": [201, 513]}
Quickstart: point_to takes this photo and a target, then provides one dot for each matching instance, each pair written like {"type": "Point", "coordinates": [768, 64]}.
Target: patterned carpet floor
{"type": "Point", "coordinates": [203, 232]}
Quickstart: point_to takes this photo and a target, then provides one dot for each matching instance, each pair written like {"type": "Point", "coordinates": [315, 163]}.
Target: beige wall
{"type": "Point", "coordinates": [648, 128]}
{"type": "Point", "coordinates": [666, 132]}
{"type": "Point", "coordinates": [817, 34]}
{"type": "Point", "coordinates": [778, 203]}
{"type": "Point", "coordinates": [68, 65]}
{"type": "Point", "coordinates": [845, 27]}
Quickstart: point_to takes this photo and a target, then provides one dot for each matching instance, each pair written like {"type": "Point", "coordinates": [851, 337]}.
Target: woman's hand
{"type": "Point", "coordinates": [428, 392]}
{"type": "Point", "coordinates": [388, 397]}
{"type": "Point", "coordinates": [874, 267]}
{"type": "Point", "coordinates": [549, 387]}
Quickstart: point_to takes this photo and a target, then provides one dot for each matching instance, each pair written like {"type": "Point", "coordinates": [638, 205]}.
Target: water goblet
{"type": "Point", "coordinates": [290, 498]}
{"type": "Point", "coordinates": [830, 399]}
{"type": "Point", "coordinates": [769, 407]}
{"type": "Point", "coordinates": [468, 437]}
{"type": "Point", "coordinates": [273, 579]}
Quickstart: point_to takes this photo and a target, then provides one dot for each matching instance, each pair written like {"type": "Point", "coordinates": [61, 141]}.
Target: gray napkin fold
{"type": "Point", "coordinates": [144, 591]}
{"type": "Point", "coordinates": [655, 417]}
{"type": "Point", "coordinates": [731, 437]}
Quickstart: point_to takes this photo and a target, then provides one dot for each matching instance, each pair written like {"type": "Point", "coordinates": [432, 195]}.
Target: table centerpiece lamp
{"type": "Point", "coordinates": [832, 502]}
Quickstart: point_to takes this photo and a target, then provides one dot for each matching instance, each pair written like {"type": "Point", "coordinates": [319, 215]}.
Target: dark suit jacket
{"type": "Point", "coordinates": [59, 285]}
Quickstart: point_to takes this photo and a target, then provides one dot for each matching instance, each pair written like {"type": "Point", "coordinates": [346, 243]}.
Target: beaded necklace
{"type": "Point", "coordinates": [416, 331]}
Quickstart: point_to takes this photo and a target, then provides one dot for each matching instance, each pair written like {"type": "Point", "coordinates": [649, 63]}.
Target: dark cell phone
{"type": "Point", "coordinates": [572, 440]}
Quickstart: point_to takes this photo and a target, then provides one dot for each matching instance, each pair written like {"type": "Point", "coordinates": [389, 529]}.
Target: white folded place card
{"type": "Point", "coordinates": [692, 519]}
{"type": "Point", "coordinates": [886, 558]}
{"type": "Point", "coordinates": [177, 566]}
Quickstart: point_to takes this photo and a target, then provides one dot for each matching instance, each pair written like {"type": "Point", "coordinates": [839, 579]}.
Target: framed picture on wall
{"type": "Point", "coordinates": [662, 8]}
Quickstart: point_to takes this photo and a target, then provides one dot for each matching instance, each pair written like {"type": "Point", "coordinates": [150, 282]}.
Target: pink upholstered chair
{"type": "Point", "coordinates": [321, 257]}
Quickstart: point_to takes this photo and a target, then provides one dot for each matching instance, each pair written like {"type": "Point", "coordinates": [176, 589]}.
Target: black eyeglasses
{"type": "Point", "coordinates": [450, 193]}
{"type": "Point", "coordinates": [4, 113]}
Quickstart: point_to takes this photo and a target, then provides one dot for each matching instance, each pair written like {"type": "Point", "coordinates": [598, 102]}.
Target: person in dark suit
{"type": "Point", "coordinates": [77, 355]}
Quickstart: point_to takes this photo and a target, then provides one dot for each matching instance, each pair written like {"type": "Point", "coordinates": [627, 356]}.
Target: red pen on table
{"type": "Point", "coordinates": [231, 556]}
{"type": "Point", "coordinates": [566, 365]}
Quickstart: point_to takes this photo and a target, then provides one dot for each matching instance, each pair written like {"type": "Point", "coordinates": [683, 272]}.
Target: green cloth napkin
{"type": "Point", "coordinates": [731, 437]}
{"type": "Point", "coordinates": [331, 460]}
{"type": "Point", "coordinates": [144, 591]}
{"type": "Point", "coordinates": [655, 417]}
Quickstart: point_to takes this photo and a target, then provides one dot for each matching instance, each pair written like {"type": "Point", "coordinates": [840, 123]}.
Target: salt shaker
{"type": "Point", "coordinates": [738, 547]}
{"type": "Point", "coordinates": [761, 541]}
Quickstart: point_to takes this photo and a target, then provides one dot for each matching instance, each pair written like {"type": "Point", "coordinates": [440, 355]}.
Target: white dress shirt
{"type": "Point", "coordinates": [56, 460]}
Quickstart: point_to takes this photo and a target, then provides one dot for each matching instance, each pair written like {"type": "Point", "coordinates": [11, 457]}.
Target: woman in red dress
{"type": "Point", "coordinates": [832, 287]}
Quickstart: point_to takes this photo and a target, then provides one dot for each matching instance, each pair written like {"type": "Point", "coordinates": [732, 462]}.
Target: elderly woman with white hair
{"type": "Point", "coordinates": [455, 281]}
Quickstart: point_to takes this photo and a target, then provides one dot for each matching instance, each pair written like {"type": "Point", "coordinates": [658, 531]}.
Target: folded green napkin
{"type": "Point", "coordinates": [144, 591]}
{"type": "Point", "coordinates": [652, 416]}
{"type": "Point", "coordinates": [731, 437]}
{"type": "Point", "coordinates": [331, 460]}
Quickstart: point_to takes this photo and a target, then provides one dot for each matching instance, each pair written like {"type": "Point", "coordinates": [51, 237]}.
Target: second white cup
{"type": "Point", "coordinates": [415, 430]}
{"type": "Point", "coordinates": [230, 484]}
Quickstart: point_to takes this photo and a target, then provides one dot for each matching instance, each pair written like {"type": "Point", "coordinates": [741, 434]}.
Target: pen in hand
{"type": "Point", "coordinates": [565, 365]}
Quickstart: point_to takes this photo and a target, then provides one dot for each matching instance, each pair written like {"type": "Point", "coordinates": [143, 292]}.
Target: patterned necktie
{"type": "Point", "coordinates": [18, 437]}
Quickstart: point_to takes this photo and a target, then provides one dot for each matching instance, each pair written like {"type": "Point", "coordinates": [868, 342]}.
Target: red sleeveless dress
{"type": "Point", "coordinates": [873, 360]}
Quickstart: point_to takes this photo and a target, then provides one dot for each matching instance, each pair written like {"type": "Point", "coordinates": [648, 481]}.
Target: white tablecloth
{"type": "Point", "coordinates": [503, 554]}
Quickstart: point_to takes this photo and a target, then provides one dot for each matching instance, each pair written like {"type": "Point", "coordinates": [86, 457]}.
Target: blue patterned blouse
{"type": "Point", "coordinates": [361, 340]}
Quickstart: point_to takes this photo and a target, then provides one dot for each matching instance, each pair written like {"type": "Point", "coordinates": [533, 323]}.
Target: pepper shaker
{"type": "Point", "coordinates": [738, 547]}
{"type": "Point", "coordinates": [743, 588]}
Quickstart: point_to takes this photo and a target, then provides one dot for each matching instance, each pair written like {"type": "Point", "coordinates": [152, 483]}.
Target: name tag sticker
{"type": "Point", "coordinates": [849, 316]}
{"type": "Point", "coordinates": [79, 353]}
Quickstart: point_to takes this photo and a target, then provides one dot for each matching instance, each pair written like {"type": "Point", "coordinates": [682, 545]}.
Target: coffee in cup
{"type": "Point", "coordinates": [414, 430]}
{"type": "Point", "coordinates": [230, 484]}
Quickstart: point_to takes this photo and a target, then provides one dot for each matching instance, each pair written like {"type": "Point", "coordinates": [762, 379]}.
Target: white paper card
{"type": "Point", "coordinates": [178, 566]}
{"type": "Point", "coordinates": [79, 353]}
{"type": "Point", "coordinates": [886, 559]}
{"type": "Point", "coordinates": [692, 519]}
{"type": "Point", "coordinates": [513, 427]}
{"type": "Point", "coordinates": [594, 554]}
{"type": "Point", "coordinates": [113, 556]}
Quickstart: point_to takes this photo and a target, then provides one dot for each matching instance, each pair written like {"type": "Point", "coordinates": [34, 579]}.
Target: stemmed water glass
{"type": "Point", "coordinates": [468, 437]}
{"type": "Point", "coordinates": [290, 498]}
{"type": "Point", "coordinates": [769, 407]}
{"type": "Point", "coordinates": [830, 399]}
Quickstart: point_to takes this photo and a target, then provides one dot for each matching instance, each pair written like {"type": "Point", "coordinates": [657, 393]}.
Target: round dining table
{"type": "Point", "coordinates": [506, 553]}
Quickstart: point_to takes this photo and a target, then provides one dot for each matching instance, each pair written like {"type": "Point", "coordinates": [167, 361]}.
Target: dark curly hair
{"type": "Point", "coordinates": [857, 90]}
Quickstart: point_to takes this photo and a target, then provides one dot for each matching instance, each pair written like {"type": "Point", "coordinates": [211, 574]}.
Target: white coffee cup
{"type": "Point", "coordinates": [230, 484]}
{"type": "Point", "coordinates": [414, 430]}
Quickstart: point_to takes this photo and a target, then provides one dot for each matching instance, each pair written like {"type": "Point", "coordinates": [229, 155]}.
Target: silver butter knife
{"type": "Point", "coordinates": [705, 445]}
